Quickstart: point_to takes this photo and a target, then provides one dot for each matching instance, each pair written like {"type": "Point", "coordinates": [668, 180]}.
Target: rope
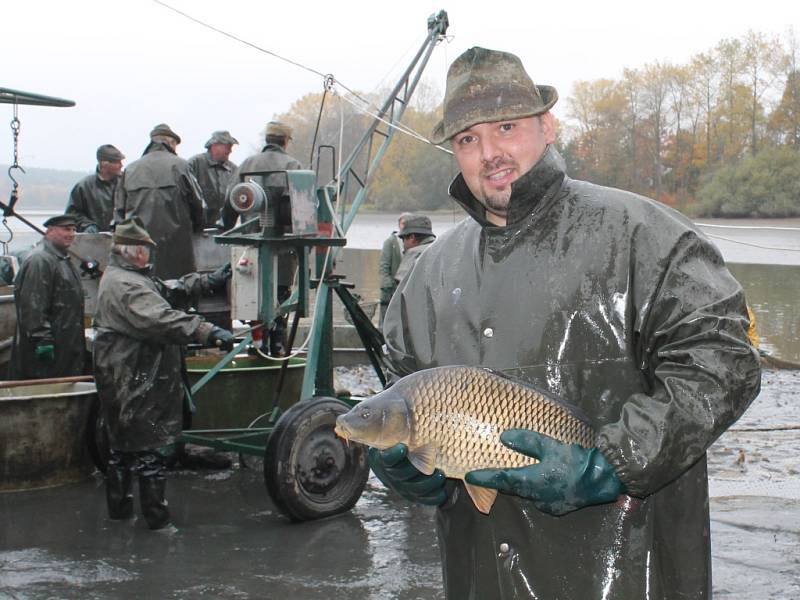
{"type": "Point", "coordinates": [756, 227]}
{"type": "Point", "coordinates": [398, 127]}
{"type": "Point", "coordinates": [719, 237]}
{"type": "Point", "coordinates": [252, 45]}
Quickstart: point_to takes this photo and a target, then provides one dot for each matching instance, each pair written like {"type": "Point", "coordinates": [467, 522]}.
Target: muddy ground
{"type": "Point", "coordinates": [231, 543]}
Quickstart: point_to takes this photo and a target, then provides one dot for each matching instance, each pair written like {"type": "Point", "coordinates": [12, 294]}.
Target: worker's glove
{"type": "Point", "coordinates": [218, 279]}
{"type": "Point", "coordinates": [46, 353]}
{"type": "Point", "coordinates": [222, 338]}
{"type": "Point", "coordinates": [90, 228]}
{"type": "Point", "coordinates": [397, 473]}
{"type": "Point", "coordinates": [566, 478]}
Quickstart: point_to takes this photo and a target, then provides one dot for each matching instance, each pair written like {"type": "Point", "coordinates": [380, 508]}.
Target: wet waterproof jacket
{"type": "Point", "coordinates": [162, 192]}
{"type": "Point", "coordinates": [391, 256]}
{"type": "Point", "coordinates": [49, 302]}
{"type": "Point", "coordinates": [618, 305]}
{"type": "Point", "coordinates": [271, 158]}
{"type": "Point", "coordinates": [214, 178]}
{"type": "Point", "coordinates": [138, 356]}
{"type": "Point", "coordinates": [91, 202]}
{"type": "Point", "coordinates": [410, 258]}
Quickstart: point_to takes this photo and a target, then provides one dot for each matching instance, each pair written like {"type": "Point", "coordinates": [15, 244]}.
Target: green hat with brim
{"type": "Point", "coordinates": [221, 137]}
{"type": "Point", "coordinates": [60, 221]}
{"type": "Point", "coordinates": [131, 232]}
{"type": "Point", "coordinates": [164, 129]}
{"type": "Point", "coordinates": [417, 224]}
{"type": "Point", "coordinates": [109, 153]}
{"type": "Point", "coordinates": [278, 129]}
{"type": "Point", "coordinates": [485, 86]}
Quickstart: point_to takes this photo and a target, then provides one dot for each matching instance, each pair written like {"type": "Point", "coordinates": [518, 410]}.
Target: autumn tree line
{"type": "Point", "coordinates": [718, 136]}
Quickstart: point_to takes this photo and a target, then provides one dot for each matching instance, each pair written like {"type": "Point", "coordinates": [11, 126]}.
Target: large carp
{"type": "Point", "coordinates": [451, 418]}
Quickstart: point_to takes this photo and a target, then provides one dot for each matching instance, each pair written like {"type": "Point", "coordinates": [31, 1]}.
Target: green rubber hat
{"type": "Point", "coordinates": [131, 232]}
{"type": "Point", "coordinates": [485, 86]}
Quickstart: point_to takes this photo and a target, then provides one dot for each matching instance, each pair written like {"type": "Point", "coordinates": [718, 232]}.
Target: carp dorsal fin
{"type": "Point", "coordinates": [482, 497]}
{"type": "Point", "coordinates": [423, 458]}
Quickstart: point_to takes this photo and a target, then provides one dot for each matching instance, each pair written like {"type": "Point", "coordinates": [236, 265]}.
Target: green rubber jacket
{"type": "Point", "coordinates": [48, 296]}
{"type": "Point", "coordinates": [215, 179]}
{"type": "Point", "coordinates": [138, 355]}
{"type": "Point", "coordinates": [621, 306]}
{"type": "Point", "coordinates": [91, 202]}
{"type": "Point", "coordinates": [162, 192]}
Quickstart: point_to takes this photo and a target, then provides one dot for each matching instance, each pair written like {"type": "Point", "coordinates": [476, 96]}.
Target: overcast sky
{"type": "Point", "coordinates": [129, 65]}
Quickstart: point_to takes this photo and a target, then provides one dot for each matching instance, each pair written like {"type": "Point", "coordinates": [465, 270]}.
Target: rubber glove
{"type": "Point", "coordinates": [46, 353]}
{"type": "Point", "coordinates": [218, 279]}
{"type": "Point", "coordinates": [397, 473]}
{"type": "Point", "coordinates": [90, 228]}
{"type": "Point", "coordinates": [568, 476]}
{"type": "Point", "coordinates": [222, 338]}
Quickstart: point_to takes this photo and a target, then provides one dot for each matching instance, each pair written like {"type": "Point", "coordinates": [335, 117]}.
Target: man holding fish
{"type": "Point", "coordinates": [594, 308]}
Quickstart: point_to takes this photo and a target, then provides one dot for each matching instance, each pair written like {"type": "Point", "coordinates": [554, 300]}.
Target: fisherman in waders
{"type": "Point", "coordinates": [614, 303]}
{"type": "Point", "coordinates": [417, 235]}
{"type": "Point", "coordinates": [215, 174]}
{"type": "Point", "coordinates": [389, 262]}
{"type": "Point", "coordinates": [160, 189]}
{"type": "Point", "coordinates": [49, 341]}
{"type": "Point", "coordinates": [137, 367]}
{"type": "Point", "coordinates": [91, 201]}
{"type": "Point", "coordinates": [273, 157]}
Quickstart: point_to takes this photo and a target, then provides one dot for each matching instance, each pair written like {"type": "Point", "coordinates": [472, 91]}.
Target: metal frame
{"type": "Point", "coordinates": [318, 375]}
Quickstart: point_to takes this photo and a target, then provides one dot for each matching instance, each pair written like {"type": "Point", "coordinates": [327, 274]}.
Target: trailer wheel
{"type": "Point", "coordinates": [311, 473]}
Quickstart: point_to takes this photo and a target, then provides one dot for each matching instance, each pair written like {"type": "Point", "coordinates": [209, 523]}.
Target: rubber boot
{"type": "Point", "coordinates": [152, 486]}
{"type": "Point", "coordinates": [119, 489]}
{"type": "Point", "coordinates": [154, 505]}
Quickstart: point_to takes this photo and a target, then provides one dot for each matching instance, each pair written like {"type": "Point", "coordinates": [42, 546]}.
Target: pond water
{"type": "Point", "coordinates": [763, 254]}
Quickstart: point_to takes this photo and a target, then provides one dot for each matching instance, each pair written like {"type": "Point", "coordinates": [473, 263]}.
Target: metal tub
{"type": "Point", "coordinates": [242, 391]}
{"type": "Point", "coordinates": [43, 433]}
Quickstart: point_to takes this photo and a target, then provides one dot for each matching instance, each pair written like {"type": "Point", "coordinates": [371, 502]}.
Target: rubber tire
{"type": "Point", "coordinates": [302, 434]}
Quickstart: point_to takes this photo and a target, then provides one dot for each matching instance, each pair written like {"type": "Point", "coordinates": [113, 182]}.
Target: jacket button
{"type": "Point", "coordinates": [488, 332]}
{"type": "Point", "coordinates": [504, 549]}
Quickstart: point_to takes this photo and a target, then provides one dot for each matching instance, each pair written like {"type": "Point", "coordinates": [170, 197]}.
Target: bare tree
{"type": "Point", "coordinates": [763, 65]}
{"type": "Point", "coordinates": [705, 75]}
{"type": "Point", "coordinates": [655, 85]}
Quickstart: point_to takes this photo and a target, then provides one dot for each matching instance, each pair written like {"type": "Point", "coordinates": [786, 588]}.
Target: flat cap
{"type": "Point", "coordinates": [486, 86]}
{"type": "Point", "coordinates": [280, 129]}
{"type": "Point", "coordinates": [221, 137]}
{"type": "Point", "coordinates": [131, 232]}
{"type": "Point", "coordinates": [109, 153]}
{"type": "Point", "coordinates": [164, 129]}
{"type": "Point", "coordinates": [418, 224]}
{"type": "Point", "coordinates": [60, 221]}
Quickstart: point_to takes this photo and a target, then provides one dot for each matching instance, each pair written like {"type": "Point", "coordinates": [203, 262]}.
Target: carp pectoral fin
{"type": "Point", "coordinates": [482, 497]}
{"type": "Point", "coordinates": [423, 458]}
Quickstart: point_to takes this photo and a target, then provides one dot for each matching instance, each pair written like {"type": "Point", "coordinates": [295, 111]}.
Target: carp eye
{"type": "Point", "coordinates": [365, 414]}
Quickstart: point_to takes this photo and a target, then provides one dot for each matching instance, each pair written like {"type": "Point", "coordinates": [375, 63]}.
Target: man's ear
{"type": "Point", "coordinates": [548, 122]}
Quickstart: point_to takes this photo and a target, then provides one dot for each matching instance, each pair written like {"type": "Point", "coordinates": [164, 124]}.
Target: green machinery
{"type": "Point", "coordinates": [309, 472]}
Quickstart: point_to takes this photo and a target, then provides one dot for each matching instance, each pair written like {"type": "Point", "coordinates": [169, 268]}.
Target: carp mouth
{"type": "Point", "coordinates": [342, 430]}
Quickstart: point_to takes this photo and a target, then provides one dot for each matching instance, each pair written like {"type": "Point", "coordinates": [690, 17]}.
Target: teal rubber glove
{"type": "Point", "coordinates": [218, 278]}
{"type": "Point", "coordinates": [46, 353]}
{"type": "Point", "coordinates": [222, 338]}
{"type": "Point", "coordinates": [566, 478]}
{"type": "Point", "coordinates": [90, 228]}
{"type": "Point", "coordinates": [397, 473]}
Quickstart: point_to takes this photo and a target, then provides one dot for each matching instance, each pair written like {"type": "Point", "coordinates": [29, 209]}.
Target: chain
{"type": "Point", "coordinates": [15, 127]}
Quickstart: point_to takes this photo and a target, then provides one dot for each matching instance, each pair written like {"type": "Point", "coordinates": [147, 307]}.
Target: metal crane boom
{"type": "Point", "coordinates": [391, 111]}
